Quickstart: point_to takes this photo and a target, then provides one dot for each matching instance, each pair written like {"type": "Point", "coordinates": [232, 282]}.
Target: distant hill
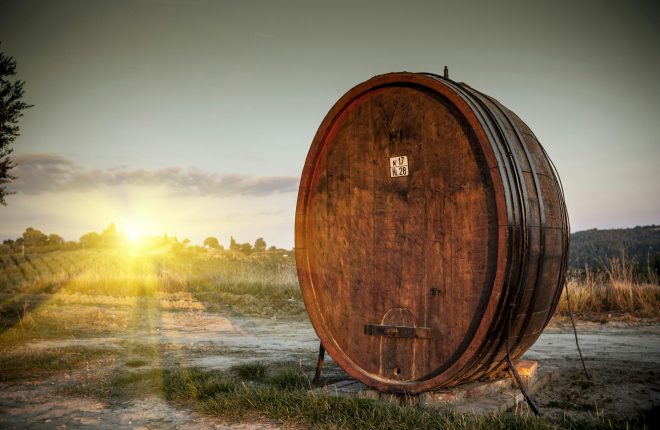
{"type": "Point", "coordinates": [594, 247]}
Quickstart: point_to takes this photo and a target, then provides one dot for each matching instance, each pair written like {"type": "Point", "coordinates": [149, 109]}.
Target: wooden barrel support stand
{"type": "Point", "coordinates": [431, 233]}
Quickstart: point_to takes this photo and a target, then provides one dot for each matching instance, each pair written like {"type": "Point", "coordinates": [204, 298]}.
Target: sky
{"type": "Point", "coordinates": [194, 118]}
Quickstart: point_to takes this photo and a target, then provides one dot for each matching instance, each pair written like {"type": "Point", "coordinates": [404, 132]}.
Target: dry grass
{"type": "Point", "coordinates": [25, 364]}
{"type": "Point", "coordinates": [614, 289]}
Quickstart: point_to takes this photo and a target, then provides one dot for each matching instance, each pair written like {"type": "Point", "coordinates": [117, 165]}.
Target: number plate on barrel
{"type": "Point", "coordinates": [398, 166]}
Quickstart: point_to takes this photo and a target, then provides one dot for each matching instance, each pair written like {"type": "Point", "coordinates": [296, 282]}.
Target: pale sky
{"type": "Point", "coordinates": [193, 118]}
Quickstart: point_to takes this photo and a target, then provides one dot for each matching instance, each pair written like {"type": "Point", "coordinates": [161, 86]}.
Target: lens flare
{"type": "Point", "coordinates": [133, 232]}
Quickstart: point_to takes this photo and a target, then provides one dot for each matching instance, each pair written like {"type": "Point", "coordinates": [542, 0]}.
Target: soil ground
{"type": "Point", "coordinates": [622, 359]}
{"type": "Point", "coordinates": [623, 362]}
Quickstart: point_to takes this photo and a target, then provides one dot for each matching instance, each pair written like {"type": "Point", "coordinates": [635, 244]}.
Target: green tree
{"type": "Point", "coordinates": [90, 240]}
{"type": "Point", "coordinates": [212, 242]}
{"type": "Point", "coordinates": [11, 109]}
{"type": "Point", "coordinates": [245, 248]}
{"type": "Point", "coordinates": [260, 245]}
{"type": "Point", "coordinates": [232, 244]}
{"type": "Point", "coordinates": [55, 240]}
{"type": "Point", "coordinates": [34, 237]}
{"type": "Point", "coordinates": [110, 236]}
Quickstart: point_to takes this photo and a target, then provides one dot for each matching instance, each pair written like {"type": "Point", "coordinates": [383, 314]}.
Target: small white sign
{"type": "Point", "coordinates": [398, 166]}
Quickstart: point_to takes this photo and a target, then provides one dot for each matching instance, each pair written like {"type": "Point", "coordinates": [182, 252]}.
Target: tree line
{"type": "Point", "coordinates": [589, 249]}
{"type": "Point", "coordinates": [35, 241]}
{"type": "Point", "coordinates": [639, 246]}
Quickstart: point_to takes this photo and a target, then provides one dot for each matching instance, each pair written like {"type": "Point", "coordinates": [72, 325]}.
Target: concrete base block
{"type": "Point", "coordinates": [479, 398]}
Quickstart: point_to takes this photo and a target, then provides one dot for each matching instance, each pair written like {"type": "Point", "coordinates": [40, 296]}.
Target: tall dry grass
{"type": "Point", "coordinates": [614, 288]}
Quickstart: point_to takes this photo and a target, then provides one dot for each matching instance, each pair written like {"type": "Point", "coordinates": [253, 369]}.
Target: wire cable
{"type": "Point", "coordinates": [570, 313]}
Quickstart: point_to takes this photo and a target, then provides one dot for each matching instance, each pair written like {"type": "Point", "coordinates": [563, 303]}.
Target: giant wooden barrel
{"type": "Point", "coordinates": [431, 233]}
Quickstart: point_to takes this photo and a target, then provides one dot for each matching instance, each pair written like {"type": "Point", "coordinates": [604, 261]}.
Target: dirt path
{"type": "Point", "coordinates": [211, 341]}
{"type": "Point", "coordinates": [624, 363]}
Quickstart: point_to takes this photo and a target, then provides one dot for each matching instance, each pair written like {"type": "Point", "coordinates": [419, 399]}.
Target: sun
{"type": "Point", "coordinates": [132, 233]}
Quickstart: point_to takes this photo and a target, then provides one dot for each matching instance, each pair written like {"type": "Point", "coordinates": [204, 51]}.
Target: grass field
{"type": "Point", "coordinates": [36, 290]}
{"type": "Point", "coordinates": [615, 290]}
{"type": "Point", "coordinates": [122, 296]}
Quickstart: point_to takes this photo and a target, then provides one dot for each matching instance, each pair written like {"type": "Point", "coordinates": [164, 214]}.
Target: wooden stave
{"type": "Point", "coordinates": [524, 310]}
{"type": "Point", "coordinates": [493, 359]}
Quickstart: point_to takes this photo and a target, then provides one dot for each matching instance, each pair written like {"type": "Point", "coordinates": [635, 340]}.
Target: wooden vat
{"type": "Point", "coordinates": [431, 233]}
